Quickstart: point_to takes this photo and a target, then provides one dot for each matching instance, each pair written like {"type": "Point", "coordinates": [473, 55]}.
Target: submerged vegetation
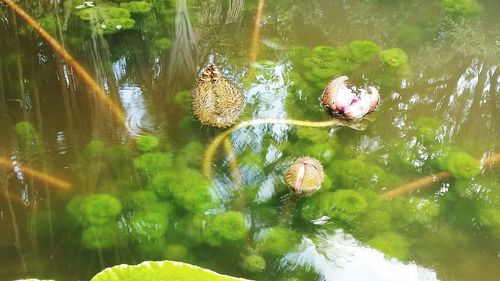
{"type": "Point", "coordinates": [155, 189]}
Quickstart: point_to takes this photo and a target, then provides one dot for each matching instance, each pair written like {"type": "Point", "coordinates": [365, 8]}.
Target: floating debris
{"type": "Point", "coordinates": [350, 103]}
{"type": "Point", "coordinates": [216, 102]}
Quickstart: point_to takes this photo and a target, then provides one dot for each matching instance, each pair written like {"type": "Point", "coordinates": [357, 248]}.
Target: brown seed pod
{"type": "Point", "coordinates": [305, 176]}
{"type": "Point", "coordinates": [216, 102]}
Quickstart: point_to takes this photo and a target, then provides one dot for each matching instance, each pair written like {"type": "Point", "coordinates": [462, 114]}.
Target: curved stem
{"type": "Point", "coordinates": [212, 147]}
{"type": "Point", "coordinates": [70, 60]}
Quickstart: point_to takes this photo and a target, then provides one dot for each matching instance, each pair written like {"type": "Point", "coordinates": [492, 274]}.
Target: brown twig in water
{"type": "Point", "coordinates": [70, 60]}
{"type": "Point", "coordinates": [426, 182]}
{"type": "Point", "coordinates": [233, 162]}
{"type": "Point", "coordinates": [256, 34]}
{"type": "Point", "coordinates": [38, 175]}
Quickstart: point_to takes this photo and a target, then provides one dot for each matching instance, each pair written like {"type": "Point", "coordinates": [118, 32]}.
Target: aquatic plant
{"type": "Point", "coordinates": [99, 209]}
{"type": "Point", "coordinates": [427, 128]}
{"type": "Point", "coordinates": [163, 43]}
{"type": "Point", "coordinates": [459, 163]}
{"type": "Point", "coordinates": [305, 176]}
{"type": "Point", "coordinates": [253, 263]}
{"type": "Point", "coordinates": [139, 200]}
{"type": "Point", "coordinates": [458, 9]}
{"type": "Point", "coordinates": [101, 237]}
{"type": "Point", "coordinates": [146, 227]}
{"type": "Point", "coordinates": [152, 163]}
{"type": "Point", "coordinates": [277, 240]}
{"type": "Point", "coordinates": [193, 153]}
{"type": "Point", "coordinates": [357, 173]}
{"type": "Point", "coordinates": [176, 252]}
{"type": "Point", "coordinates": [107, 19]}
{"type": "Point", "coordinates": [225, 228]}
{"type": "Point", "coordinates": [147, 143]}
{"type": "Point", "coordinates": [137, 7]}
{"type": "Point", "coordinates": [391, 244]}
{"type": "Point", "coordinates": [188, 188]}
{"type": "Point", "coordinates": [343, 205]}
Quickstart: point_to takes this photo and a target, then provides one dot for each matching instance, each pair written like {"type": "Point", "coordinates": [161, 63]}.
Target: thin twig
{"type": "Point", "coordinates": [254, 45]}
{"type": "Point", "coordinates": [38, 175]}
{"type": "Point", "coordinates": [70, 60]}
{"type": "Point", "coordinates": [427, 181]}
{"type": "Point", "coordinates": [212, 147]}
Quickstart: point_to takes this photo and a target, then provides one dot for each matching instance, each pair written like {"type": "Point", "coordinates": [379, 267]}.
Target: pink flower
{"type": "Point", "coordinates": [349, 103]}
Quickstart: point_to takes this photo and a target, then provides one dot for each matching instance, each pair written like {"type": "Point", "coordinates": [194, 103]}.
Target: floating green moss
{"type": "Point", "coordinates": [147, 143]}
{"type": "Point", "coordinates": [101, 237]}
{"type": "Point", "coordinates": [163, 43]}
{"type": "Point", "coordinates": [176, 252]}
{"type": "Point", "coordinates": [188, 188]}
{"type": "Point", "coordinates": [277, 241]}
{"type": "Point", "coordinates": [225, 228]}
{"type": "Point", "coordinates": [344, 205]}
{"type": "Point", "coordinates": [459, 163]}
{"type": "Point", "coordinates": [137, 7]}
{"type": "Point", "coordinates": [145, 227]}
{"type": "Point", "coordinates": [99, 209]}
{"type": "Point", "coordinates": [253, 263]}
{"type": "Point", "coordinates": [139, 200]}
{"type": "Point", "coordinates": [427, 128]}
{"type": "Point", "coordinates": [391, 244]}
{"type": "Point", "coordinates": [107, 19]}
{"type": "Point", "coordinates": [153, 162]}
{"type": "Point", "coordinates": [458, 9]}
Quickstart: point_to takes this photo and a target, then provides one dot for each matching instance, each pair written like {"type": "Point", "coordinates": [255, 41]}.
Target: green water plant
{"type": "Point", "coordinates": [459, 163]}
{"type": "Point", "coordinates": [225, 228]}
{"type": "Point", "coordinates": [277, 241]}
{"type": "Point", "coordinates": [107, 19]}
{"type": "Point", "coordinates": [253, 263]}
{"type": "Point", "coordinates": [152, 163]}
{"type": "Point", "coordinates": [137, 7]}
{"type": "Point", "coordinates": [163, 43]}
{"type": "Point", "coordinates": [101, 237]}
{"type": "Point", "coordinates": [391, 244]}
{"type": "Point", "coordinates": [99, 209]}
{"type": "Point", "coordinates": [147, 227]}
{"type": "Point", "coordinates": [147, 143]}
{"type": "Point", "coordinates": [176, 252]}
{"type": "Point", "coordinates": [139, 200]}
{"type": "Point", "coordinates": [342, 205]}
{"type": "Point", "coordinates": [458, 9]}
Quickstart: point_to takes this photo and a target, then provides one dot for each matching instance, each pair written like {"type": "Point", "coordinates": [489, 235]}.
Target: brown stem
{"type": "Point", "coordinates": [427, 181]}
{"type": "Point", "coordinates": [38, 175]}
{"type": "Point", "coordinates": [71, 61]}
{"type": "Point", "coordinates": [254, 50]}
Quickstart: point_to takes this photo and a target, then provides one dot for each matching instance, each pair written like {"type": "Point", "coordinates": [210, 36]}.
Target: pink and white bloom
{"type": "Point", "coordinates": [347, 102]}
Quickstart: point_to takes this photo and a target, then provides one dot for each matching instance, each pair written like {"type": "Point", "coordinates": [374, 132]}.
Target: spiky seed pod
{"type": "Point", "coordinates": [305, 176]}
{"type": "Point", "coordinates": [216, 102]}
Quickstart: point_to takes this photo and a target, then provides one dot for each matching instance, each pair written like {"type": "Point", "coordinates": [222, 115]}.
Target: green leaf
{"type": "Point", "coordinates": [160, 270]}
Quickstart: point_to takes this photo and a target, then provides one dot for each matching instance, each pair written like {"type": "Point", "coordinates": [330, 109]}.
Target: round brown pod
{"type": "Point", "coordinates": [305, 176]}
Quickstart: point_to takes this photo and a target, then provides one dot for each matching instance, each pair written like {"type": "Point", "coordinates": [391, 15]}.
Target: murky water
{"type": "Point", "coordinates": [439, 112]}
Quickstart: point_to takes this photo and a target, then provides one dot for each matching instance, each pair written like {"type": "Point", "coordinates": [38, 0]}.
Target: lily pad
{"type": "Point", "coordinates": [160, 270]}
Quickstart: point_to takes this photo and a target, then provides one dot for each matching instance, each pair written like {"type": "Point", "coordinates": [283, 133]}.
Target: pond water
{"type": "Point", "coordinates": [80, 190]}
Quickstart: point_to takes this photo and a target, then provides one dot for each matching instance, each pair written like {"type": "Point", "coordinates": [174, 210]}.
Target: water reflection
{"type": "Point", "coordinates": [449, 100]}
{"type": "Point", "coordinates": [339, 256]}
